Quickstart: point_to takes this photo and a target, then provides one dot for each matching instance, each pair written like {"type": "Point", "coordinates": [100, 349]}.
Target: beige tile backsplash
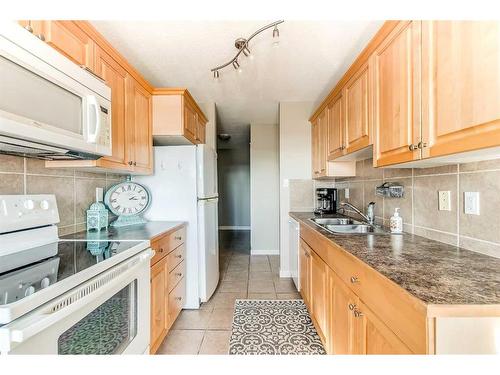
{"type": "Point", "coordinates": [419, 206]}
{"type": "Point", "coordinates": [74, 190]}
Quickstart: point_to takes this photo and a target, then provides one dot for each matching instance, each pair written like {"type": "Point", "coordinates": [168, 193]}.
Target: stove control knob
{"type": "Point", "coordinates": [29, 291]}
{"type": "Point", "coordinates": [28, 204]}
{"type": "Point", "coordinates": [44, 205]}
{"type": "Point", "coordinates": [45, 282]}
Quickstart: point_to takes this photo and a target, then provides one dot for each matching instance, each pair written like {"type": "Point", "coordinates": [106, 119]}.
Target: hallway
{"type": "Point", "coordinates": [207, 330]}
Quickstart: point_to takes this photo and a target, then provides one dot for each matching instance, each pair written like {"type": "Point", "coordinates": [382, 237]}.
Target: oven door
{"type": "Point", "coordinates": [108, 314]}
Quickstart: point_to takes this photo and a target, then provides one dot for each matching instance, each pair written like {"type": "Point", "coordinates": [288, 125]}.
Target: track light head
{"type": "Point", "coordinates": [236, 66]}
{"type": "Point", "coordinates": [276, 36]}
{"type": "Point", "coordinates": [216, 74]}
{"type": "Point", "coordinates": [246, 51]}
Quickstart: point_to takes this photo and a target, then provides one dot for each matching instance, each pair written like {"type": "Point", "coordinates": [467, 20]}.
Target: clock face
{"type": "Point", "coordinates": [127, 199]}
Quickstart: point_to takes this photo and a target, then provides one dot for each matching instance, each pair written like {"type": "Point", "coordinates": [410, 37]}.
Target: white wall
{"type": "Point", "coordinates": [264, 188]}
{"type": "Point", "coordinates": [294, 163]}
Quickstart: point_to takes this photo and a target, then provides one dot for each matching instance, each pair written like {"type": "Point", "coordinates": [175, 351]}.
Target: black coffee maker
{"type": "Point", "coordinates": [326, 201]}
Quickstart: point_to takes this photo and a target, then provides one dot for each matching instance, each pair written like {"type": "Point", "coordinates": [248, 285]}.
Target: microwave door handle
{"type": "Point", "coordinates": [93, 127]}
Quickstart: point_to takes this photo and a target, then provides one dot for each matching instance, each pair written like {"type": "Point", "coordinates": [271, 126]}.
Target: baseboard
{"type": "Point", "coordinates": [236, 227]}
{"type": "Point", "coordinates": [264, 252]}
{"type": "Point", "coordinates": [285, 274]}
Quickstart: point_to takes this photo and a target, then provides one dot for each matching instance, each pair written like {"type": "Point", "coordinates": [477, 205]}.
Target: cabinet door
{"type": "Point", "coordinates": [318, 297]}
{"type": "Point", "coordinates": [67, 38]}
{"type": "Point", "coordinates": [341, 303]}
{"type": "Point", "coordinates": [335, 128]}
{"type": "Point", "coordinates": [357, 111]}
{"type": "Point", "coordinates": [460, 86]}
{"type": "Point", "coordinates": [138, 111]}
{"type": "Point", "coordinates": [158, 302]}
{"type": "Point", "coordinates": [190, 123]}
{"type": "Point", "coordinates": [314, 148]}
{"type": "Point", "coordinates": [305, 273]}
{"type": "Point", "coordinates": [322, 142]}
{"type": "Point", "coordinates": [373, 336]}
{"type": "Point", "coordinates": [115, 76]}
{"type": "Point", "coordinates": [396, 85]}
{"type": "Point", "coordinates": [200, 131]}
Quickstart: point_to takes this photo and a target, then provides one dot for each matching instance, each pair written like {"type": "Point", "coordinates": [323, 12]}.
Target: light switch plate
{"type": "Point", "coordinates": [346, 193]}
{"type": "Point", "coordinates": [445, 200]}
{"type": "Point", "coordinates": [471, 202]}
{"type": "Point", "coordinates": [99, 193]}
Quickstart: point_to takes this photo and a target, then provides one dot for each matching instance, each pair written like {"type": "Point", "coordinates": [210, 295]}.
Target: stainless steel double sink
{"type": "Point", "coordinates": [347, 225]}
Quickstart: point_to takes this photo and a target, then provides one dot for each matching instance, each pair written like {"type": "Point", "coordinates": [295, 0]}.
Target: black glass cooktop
{"type": "Point", "coordinates": [60, 261]}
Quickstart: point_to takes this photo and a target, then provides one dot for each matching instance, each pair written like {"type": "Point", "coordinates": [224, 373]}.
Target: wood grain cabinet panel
{"type": "Point", "coordinates": [139, 128]}
{"type": "Point", "coordinates": [318, 296]}
{"type": "Point", "coordinates": [356, 94]}
{"type": "Point", "coordinates": [460, 86]}
{"type": "Point", "coordinates": [336, 128]}
{"type": "Point", "coordinates": [305, 272]}
{"type": "Point", "coordinates": [159, 291]}
{"type": "Point", "coordinates": [396, 85]}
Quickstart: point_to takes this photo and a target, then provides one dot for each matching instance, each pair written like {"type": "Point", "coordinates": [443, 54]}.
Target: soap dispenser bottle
{"type": "Point", "coordinates": [396, 222]}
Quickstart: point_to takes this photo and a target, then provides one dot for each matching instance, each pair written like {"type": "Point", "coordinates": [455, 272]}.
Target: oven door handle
{"type": "Point", "coordinates": [25, 327]}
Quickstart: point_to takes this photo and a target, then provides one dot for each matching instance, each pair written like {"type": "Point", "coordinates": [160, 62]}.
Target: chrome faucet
{"type": "Point", "coordinates": [370, 212]}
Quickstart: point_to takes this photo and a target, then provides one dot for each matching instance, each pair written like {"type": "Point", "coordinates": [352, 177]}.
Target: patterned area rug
{"type": "Point", "coordinates": [273, 327]}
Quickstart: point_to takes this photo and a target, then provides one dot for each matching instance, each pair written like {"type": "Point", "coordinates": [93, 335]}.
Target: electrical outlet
{"type": "Point", "coordinates": [346, 193]}
{"type": "Point", "coordinates": [471, 203]}
{"type": "Point", "coordinates": [445, 200]}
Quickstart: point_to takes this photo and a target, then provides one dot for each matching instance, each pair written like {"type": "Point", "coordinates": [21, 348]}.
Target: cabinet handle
{"type": "Point", "coordinates": [135, 163]}
{"type": "Point", "coordinates": [358, 313]}
{"type": "Point", "coordinates": [178, 238]}
{"type": "Point", "coordinates": [178, 298]}
{"type": "Point", "coordinates": [421, 145]}
{"type": "Point", "coordinates": [413, 147]}
{"type": "Point", "coordinates": [129, 163]}
{"type": "Point", "coordinates": [352, 306]}
{"type": "Point", "coordinates": [161, 249]}
{"type": "Point", "coordinates": [178, 274]}
{"type": "Point", "coordinates": [354, 280]}
{"type": "Point", "coordinates": [41, 37]}
{"type": "Point", "coordinates": [179, 256]}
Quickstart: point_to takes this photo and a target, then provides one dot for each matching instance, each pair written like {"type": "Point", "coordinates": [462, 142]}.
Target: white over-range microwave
{"type": "Point", "coordinates": [50, 107]}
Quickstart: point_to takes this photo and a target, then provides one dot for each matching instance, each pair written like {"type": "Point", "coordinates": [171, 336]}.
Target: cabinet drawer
{"type": "Point", "coordinates": [161, 249]}
{"type": "Point", "coordinates": [176, 301]}
{"type": "Point", "coordinates": [176, 256]}
{"type": "Point", "coordinates": [176, 238]}
{"type": "Point", "coordinates": [349, 270]}
{"type": "Point", "coordinates": [176, 275]}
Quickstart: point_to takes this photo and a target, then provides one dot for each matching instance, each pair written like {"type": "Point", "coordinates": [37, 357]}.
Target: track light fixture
{"type": "Point", "coordinates": [241, 45]}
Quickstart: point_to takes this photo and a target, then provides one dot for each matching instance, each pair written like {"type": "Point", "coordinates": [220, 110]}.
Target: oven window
{"type": "Point", "coordinates": [106, 330]}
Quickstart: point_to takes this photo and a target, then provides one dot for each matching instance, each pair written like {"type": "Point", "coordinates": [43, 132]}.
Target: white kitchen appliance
{"type": "Point", "coordinates": [50, 107]}
{"type": "Point", "coordinates": [184, 187]}
{"type": "Point", "coordinates": [68, 297]}
{"type": "Point", "coordinates": [293, 243]}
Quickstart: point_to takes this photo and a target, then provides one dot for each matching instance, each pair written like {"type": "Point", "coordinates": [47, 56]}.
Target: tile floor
{"type": "Point", "coordinates": [207, 330]}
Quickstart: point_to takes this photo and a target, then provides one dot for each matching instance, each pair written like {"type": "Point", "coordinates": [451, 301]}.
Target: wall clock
{"type": "Point", "coordinates": [127, 200]}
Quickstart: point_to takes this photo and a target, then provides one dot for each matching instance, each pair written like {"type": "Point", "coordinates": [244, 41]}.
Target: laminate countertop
{"type": "Point", "coordinates": [434, 272]}
{"type": "Point", "coordinates": [139, 232]}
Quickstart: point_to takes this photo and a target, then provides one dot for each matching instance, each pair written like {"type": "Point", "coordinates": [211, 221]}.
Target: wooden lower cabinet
{"type": "Point", "coordinates": [168, 285]}
{"type": "Point", "coordinates": [345, 323]}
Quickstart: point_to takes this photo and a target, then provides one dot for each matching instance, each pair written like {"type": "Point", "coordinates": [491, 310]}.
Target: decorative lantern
{"type": "Point", "coordinates": [97, 217]}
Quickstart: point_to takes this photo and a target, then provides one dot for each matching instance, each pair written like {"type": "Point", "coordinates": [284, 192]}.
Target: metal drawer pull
{"type": "Point", "coordinates": [178, 256]}
{"type": "Point", "coordinates": [354, 280]}
{"type": "Point", "coordinates": [179, 238]}
{"type": "Point", "coordinates": [161, 249]}
{"type": "Point", "coordinates": [358, 313]}
{"type": "Point", "coordinates": [178, 274]}
{"type": "Point", "coordinates": [178, 298]}
{"type": "Point", "coordinates": [421, 145]}
{"type": "Point", "coordinates": [352, 306]}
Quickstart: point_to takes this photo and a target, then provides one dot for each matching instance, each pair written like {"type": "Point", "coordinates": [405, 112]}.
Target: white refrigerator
{"type": "Point", "coordinates": [184, 188]}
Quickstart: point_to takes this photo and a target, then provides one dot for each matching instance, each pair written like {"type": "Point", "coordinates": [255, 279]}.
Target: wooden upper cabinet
{"type": "Point", "coordinates": [336, 128]}
{"type": "Point", "coordinates": [177, 119]}
{"type": "Point", "coordinates": [115, 77]}
{"type": "Point", "coordinates": [460, 86]}
{"type": "Point", "coordinates": [356, 94]}
{"type": "Point", "coordinates": [315, 162]}
{"type": "Point", "coordinates": [139, 128]}
{"type": "Point", "coordinates": [396, 86]}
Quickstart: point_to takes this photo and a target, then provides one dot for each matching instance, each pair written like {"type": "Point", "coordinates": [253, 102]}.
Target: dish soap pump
{"type": "Point", "coordinates": [396, 222]}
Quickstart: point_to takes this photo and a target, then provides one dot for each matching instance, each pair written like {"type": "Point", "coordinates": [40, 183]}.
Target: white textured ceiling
{"type": "Point", "coordinates": [311, 57]}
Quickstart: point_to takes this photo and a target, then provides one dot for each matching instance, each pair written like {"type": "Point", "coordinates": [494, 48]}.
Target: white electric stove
{"type": "Point", "coordinates": [68, 297]}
